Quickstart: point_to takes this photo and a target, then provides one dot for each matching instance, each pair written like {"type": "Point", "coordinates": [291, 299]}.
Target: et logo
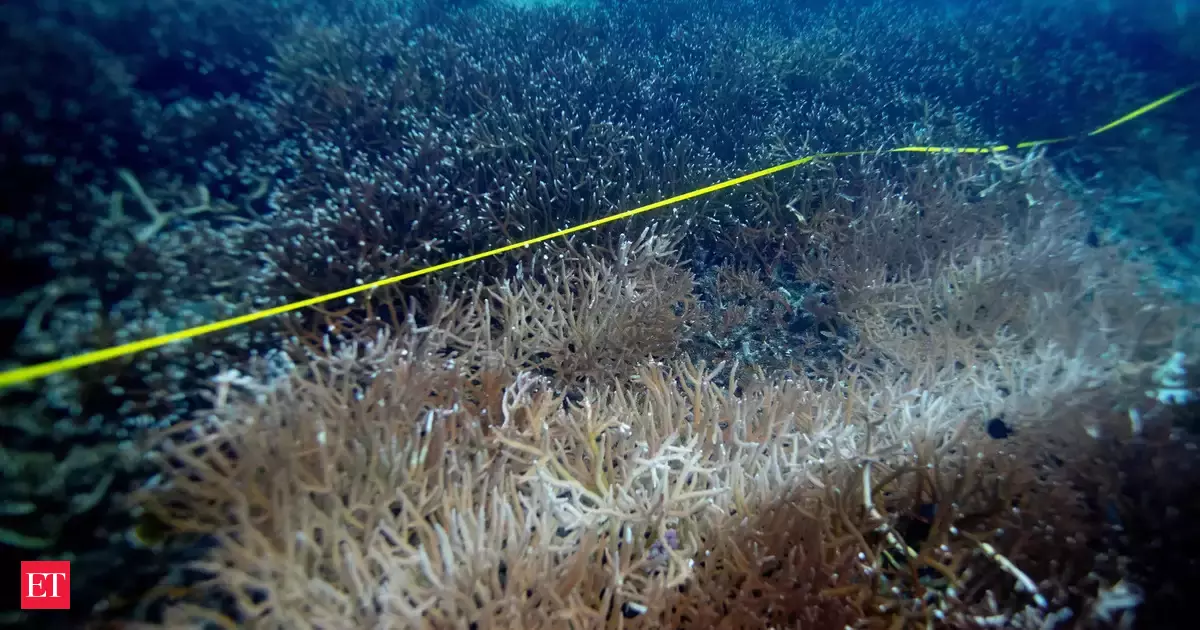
{"type": "Point", "coordinates": [46, 585]}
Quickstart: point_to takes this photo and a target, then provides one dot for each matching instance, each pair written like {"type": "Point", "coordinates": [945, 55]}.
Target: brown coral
{"type": "Point", "coordinates": [534, 454]}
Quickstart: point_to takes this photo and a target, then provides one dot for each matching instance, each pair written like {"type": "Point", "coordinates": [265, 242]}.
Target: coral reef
{"type": "Point", "coordinates": [428, 478]}
{"type": "Point", "coordinates": [459, 472]}
{"type": "Point", "coordinates": [775, 405]}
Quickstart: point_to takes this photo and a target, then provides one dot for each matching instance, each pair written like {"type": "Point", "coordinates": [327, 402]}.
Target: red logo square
{"type": "Point", "coordinates": [46, 585]}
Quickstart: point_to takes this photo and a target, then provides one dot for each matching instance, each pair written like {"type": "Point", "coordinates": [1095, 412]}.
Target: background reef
{"type": "Point", "coordinates": [168, 164]}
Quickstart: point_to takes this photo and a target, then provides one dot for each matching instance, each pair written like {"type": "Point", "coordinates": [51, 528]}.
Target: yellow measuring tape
{"type": "Point", "coordinates": [41, 370]}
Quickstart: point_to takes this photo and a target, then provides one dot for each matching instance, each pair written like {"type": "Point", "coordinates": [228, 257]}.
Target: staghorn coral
{"type": "Point", "coordinates": [333, 126]}
{"type": "Point", "coordinates": [428, 479]}
{"type": "Point", "coordinates": [576, 317]}
{"type": "Point", "coordinates": [396, 502]}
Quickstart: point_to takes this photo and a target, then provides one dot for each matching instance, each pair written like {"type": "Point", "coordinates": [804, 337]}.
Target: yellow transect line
{"type": "Point", "coordinates": [66, 364]}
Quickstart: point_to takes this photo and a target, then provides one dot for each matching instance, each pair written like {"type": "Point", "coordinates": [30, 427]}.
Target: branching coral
{"type": "Point", "coordinates": [671, 500]}
{"type": "Point", "coordinates": [160, 219]}
{"type": "Point", "coordinates": [578, 316]}
{"type": "Point", "coordinates": [534, 447]}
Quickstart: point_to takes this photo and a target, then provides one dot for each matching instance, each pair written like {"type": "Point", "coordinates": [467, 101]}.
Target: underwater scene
{"type": "Point", "coordinates": [600, 314]}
